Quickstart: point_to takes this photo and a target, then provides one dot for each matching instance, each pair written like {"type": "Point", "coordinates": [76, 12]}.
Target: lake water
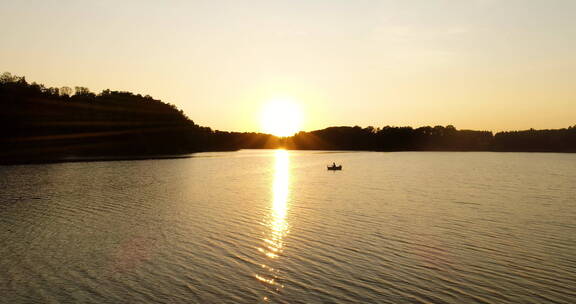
{"type": "Point", "coordinates": [276, 226]}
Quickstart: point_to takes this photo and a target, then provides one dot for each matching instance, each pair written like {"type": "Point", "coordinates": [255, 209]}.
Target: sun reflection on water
{"type": "Point", "coordinates": [273, 245]}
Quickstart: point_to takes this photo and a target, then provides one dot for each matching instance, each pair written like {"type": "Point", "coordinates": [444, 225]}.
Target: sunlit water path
{"type": "Point", "coordinates": [277, 227]}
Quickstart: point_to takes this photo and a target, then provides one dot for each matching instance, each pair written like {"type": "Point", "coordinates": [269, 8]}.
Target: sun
{"type": "Point", "coordinates": [281, 117]}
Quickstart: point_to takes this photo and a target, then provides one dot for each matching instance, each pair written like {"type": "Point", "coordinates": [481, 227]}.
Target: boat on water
{"type": "Point", "coordinates": [334, 167]}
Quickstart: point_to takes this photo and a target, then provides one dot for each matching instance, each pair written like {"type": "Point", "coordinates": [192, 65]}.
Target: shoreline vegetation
{"type": "Point", "coordinates": [39, 124]}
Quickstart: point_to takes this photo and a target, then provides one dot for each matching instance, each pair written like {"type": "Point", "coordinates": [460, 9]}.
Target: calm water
{"type": "Point", "coordinates": [276, 226]}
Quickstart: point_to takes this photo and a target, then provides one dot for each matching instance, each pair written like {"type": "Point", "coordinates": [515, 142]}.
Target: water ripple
{"type": "Point", "coordinates": [392, 228]}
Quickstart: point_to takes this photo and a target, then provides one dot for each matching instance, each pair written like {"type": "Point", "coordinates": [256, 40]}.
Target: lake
{"type": "Point", "coordinates": [276, 226]}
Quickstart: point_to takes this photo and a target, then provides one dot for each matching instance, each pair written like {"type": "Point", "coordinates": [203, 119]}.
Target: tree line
{"type": "Point", "coordinates": [39, 123]}
{"type": "Point", "coordinates": [436, 138]}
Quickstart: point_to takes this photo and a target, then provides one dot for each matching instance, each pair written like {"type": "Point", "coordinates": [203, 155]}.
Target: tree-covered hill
{"type": "Point", "coordinates": [42, 124]}
{"type": "Point", "coordinates": [436, 138]}
{"type": "Point", "coordinates": [39, 124]}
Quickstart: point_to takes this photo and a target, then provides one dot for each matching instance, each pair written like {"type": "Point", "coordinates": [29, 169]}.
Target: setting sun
{"type": "Point", "coordinates": [281, 117]}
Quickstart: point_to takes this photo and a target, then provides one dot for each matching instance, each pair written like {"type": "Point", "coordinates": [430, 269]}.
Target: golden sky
{"type": "Point", "coordinates": [477, 64]}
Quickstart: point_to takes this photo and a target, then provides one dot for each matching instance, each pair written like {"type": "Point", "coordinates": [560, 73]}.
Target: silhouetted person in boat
{"type": "Point", "coordinates": [333, 165]}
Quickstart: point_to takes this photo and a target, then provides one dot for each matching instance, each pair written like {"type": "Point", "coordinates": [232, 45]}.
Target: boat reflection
{"type": "Point", "coordinates": [278, 227]}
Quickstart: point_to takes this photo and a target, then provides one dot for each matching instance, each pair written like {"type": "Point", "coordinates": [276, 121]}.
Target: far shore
{"type": "Point", "coordinates": [90, 159]}
{"type": "Point", "coordinates": [108, 158]}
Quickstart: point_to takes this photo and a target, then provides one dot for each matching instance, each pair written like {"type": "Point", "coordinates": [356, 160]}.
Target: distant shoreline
{"type": "Point", "coordinates": [90, 159]}
{"type": "Point", "coordinates": [39, 124]}
{"type": "Point", "coordinates": [192, 155]}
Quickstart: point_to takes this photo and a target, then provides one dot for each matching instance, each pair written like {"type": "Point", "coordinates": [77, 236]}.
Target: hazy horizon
{"type": "Point", "coordinates": [482, 65]}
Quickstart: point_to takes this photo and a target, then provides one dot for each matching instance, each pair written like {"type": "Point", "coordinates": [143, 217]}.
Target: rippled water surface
{"type": "Point", "coordinates": [276, 226]}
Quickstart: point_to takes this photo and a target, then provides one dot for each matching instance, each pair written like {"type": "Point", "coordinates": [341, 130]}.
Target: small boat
{"type": "Point", "coordinates": [334, 167]}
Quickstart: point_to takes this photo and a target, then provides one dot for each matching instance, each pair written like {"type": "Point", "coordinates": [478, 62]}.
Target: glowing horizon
{"type": "Point", "coordinates": [479, 64]}
{"type": "Point", "coordinates": [281, 117]}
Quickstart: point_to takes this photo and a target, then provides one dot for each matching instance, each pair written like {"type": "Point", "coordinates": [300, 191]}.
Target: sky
{"type": "Point", "coordinates": [476, 64]}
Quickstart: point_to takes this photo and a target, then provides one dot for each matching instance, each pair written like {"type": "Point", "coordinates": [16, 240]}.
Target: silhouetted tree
{"type": "Point", "coordinates": [65, 91]}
